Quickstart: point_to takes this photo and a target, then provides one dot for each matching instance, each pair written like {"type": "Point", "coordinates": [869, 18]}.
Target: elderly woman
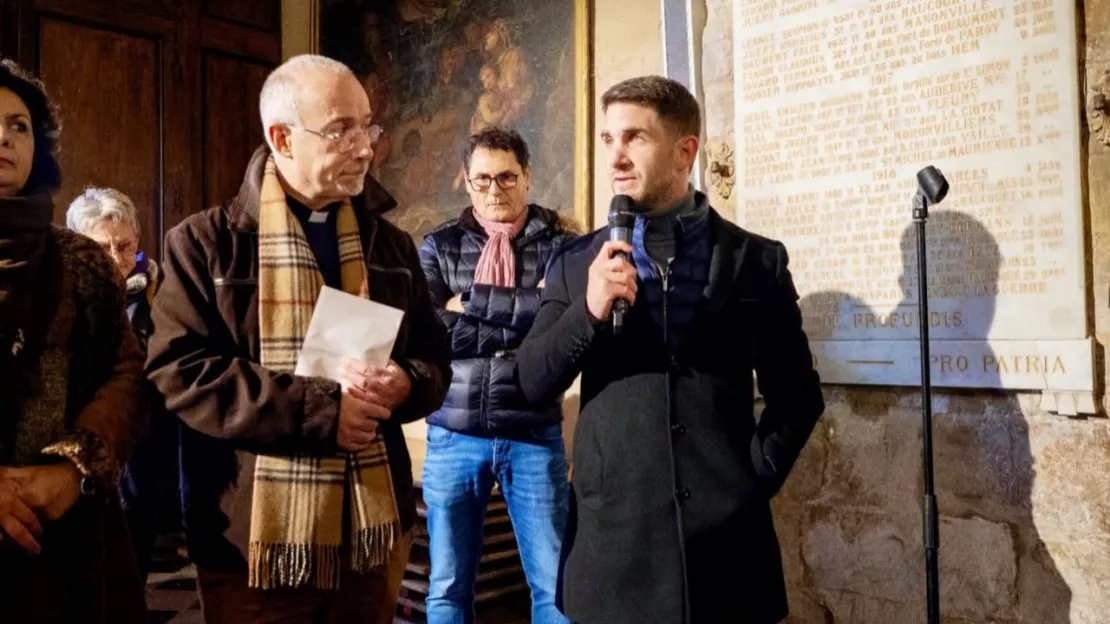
{"type": "Point", "coordinates": [71, 399]}
{"type": "Point", "coordinates": [109, 217]}
{"type": "Point", "coordinates": [149, 485]}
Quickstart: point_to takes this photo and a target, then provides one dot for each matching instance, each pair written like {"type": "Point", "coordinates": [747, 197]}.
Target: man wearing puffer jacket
{"type": "Point", "coordinates": [485, 271]}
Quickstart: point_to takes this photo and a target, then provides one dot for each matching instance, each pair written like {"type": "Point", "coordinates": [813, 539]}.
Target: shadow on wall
{"type": "Point", "coordinates": [853, 505]}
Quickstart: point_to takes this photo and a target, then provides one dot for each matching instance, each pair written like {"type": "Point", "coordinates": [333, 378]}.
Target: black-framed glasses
{"type": "Point", "coordinates": [505, 181]}
{"type": "Point", "coordinates": [346, 140]}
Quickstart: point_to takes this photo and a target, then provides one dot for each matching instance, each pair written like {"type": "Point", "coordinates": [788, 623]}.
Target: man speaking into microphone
{"type": "Point", "coordinates": [671, 517]}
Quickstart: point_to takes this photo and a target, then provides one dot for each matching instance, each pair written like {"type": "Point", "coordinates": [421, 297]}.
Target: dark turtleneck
{"type": "Point", "coordinates": [659, 230]}
{"type": "Point", "coordinates": [673, 244]}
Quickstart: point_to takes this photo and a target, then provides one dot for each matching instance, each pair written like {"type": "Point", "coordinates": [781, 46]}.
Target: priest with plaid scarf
{"type": "Point", "coordinates": [297, 493]}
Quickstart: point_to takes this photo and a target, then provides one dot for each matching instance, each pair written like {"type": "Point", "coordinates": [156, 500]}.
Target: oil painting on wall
{"type": "Point", "coordinates": [437, 71]}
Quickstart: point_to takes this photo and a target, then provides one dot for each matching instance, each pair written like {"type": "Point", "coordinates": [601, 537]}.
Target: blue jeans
{"type": "Point", "coordinates": [459, 471]}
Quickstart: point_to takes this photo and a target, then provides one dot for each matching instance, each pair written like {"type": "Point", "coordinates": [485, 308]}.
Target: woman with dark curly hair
{"type": "Point", "coordinates": [70, 391]}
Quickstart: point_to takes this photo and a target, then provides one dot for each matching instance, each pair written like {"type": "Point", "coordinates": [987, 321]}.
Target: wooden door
{"type": "Point", "coordinates": [158, 98]}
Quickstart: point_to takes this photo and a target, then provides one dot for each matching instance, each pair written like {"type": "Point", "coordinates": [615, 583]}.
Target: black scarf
{"type": "Point", "coordinates": [30, 292]}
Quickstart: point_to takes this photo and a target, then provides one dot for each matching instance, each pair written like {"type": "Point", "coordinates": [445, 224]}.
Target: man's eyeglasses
{"type": "Point", "coordinates": [345, 140]}
{"type": "Point", "coordinates": [505, 181]}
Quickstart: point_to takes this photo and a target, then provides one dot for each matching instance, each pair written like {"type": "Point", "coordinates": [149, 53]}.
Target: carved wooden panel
{"type": "Point", "coordinates": [158, 97]}
{"type": "Point", "coordinates": [232, 127]}
{"type": "Point", "coordinates": [128, 9]}
{"type": "Point", "coordinates": [263, 15]}
{"type": "Point", "coordinates": [107, 87]}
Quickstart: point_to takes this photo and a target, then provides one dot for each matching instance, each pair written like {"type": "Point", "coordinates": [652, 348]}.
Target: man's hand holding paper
{"type": "Point", "coordinates": [349, 340]}
{"type": "Point", "coordinates": [387, 386]}
{"type": "Point", "coordinates": [358, 422]}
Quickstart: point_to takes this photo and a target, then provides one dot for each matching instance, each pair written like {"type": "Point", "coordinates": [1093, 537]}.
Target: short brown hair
{"type": "Point", "coordinates": [673, 102]}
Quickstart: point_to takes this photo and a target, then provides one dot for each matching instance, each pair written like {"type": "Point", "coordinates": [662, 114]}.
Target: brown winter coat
{"type": "Point", "coordinates": [204, 359]}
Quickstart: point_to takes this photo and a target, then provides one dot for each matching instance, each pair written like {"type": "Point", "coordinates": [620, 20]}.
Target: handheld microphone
{"type": "Point", "coordinates": [622, 217]}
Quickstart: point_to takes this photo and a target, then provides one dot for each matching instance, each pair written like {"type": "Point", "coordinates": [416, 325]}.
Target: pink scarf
{"type": "Point", "coordinates": [497, 264]}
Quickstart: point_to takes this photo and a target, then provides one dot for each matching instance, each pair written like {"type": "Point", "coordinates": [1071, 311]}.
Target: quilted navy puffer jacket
{"type": "Point", "coordinates": [484, 398]}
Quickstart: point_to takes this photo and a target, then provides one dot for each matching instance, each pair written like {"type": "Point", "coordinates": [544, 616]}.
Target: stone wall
{"type": "Point", "coordinates": [1024, 494]}
{"type": "Point", "coordinates": [628, 42]}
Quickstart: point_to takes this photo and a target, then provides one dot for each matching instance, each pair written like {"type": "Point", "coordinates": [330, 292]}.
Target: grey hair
{"type": "Point", "coordinates": [277, 103]}
{"type": "Point", "coordinates": [97, 205]}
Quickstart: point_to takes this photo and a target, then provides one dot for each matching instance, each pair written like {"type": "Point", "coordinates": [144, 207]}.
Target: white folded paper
{"type": "Point", "coordinates": [344, 325]}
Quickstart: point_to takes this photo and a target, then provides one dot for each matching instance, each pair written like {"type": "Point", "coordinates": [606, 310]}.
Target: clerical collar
{"type": "Point", "coordinates": [308, 215]}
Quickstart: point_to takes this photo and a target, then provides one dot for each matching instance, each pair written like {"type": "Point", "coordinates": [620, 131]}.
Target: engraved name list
{"type": "Point", "coordinates": [839, 104]}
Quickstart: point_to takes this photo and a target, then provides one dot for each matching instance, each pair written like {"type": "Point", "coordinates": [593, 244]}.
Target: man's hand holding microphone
{"type": "Point", "coordinates": [611, 285]}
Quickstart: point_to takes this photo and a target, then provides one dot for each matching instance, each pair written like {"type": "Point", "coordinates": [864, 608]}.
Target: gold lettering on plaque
{"type": "Point", "coordinates": [840, 104]}
{"type": "Point", "coordinates": [948, 364]}
{"type": "Point", "coordinates": [1038, 364]}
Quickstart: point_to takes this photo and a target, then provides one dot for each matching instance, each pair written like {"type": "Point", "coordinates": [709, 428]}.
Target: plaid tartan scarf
{"type": "Point", "coordinates": [297, 509]}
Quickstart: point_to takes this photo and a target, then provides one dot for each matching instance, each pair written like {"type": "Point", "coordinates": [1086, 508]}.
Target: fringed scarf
{"type": "Point", "coordinates": [497, 264]}
{"type": "Point", "coordinates": [143, 280]}
{"type": "Point", "coordinates": [297, 510]}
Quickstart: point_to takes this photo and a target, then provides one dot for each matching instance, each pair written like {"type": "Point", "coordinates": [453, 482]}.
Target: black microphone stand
{"type": "Point", "coordinates": [931, 532]}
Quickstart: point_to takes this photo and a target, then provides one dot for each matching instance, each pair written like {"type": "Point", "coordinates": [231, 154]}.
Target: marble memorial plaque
{"type": "Point", "coordinates": [840, 103]}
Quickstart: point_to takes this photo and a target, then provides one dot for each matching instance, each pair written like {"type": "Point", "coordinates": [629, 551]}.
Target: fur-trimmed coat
{"type": "Point", "coordinates": [86, 572]}
{"type": "Point", "coordinates": [484, 398]}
